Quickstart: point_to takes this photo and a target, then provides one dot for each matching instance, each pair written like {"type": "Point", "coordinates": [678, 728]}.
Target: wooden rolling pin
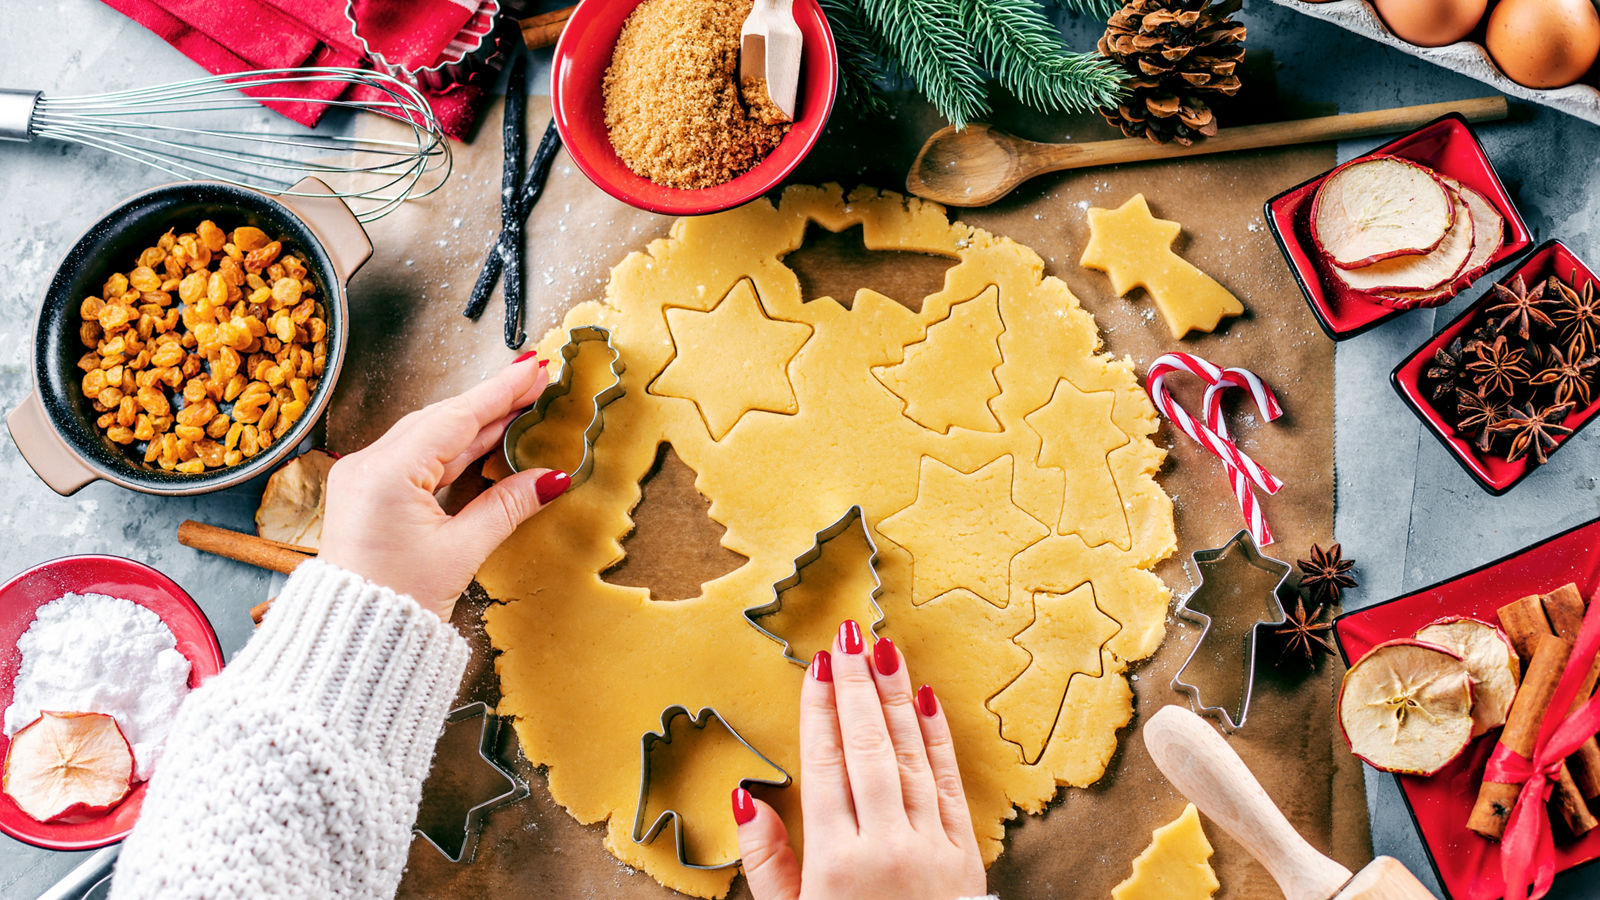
{"type": "Point", "coordinates": [1206, 770]}
{"type": "Point", "coordinates": [544, 29]}
{"type": "Point", "coordinates": [978, 165]}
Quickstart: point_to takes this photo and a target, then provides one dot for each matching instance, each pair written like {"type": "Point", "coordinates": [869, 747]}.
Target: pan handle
{"type": "Point", "coordinates": [55, 461]}
{"type": "Point", "coordinates": [342, 236]}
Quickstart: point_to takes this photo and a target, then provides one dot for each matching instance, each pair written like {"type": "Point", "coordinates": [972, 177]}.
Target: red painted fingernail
{"type": "Point", "coordinates": [551, 485]}
{"type": "Point", "coordinates": [927, 703]}
{"type": "Point", "coordinates": [744, 806]}
{"type": "Point", "coordinates": [884, 657]}
{"type": "Point", "coordinates": [850, 637]}
{"type": "Point", "coordinates": [822, 666]}
{"type": "Point", "coordinates": [526, 356]}
{"type": "Point", "coordinates": [543, 363]}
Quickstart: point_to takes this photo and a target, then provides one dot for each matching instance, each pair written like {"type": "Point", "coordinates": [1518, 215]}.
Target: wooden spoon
{"type": "Point", "coordinates": [979, 165]}
{"type": "Point", "coordinates": [769, 47]}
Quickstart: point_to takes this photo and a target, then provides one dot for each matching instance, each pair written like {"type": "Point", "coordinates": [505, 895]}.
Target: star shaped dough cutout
{"type": "Point", "coordinates": [1077, 435]}
{"type": "Point", "coordinates": [731, 360]}
{"type": "Point", "coordinates": [1135, 249]}
{"type": "Point", "coordinates": [963, 530]}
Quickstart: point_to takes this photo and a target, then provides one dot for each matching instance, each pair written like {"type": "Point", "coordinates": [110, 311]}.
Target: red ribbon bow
{"type": "Point", "coordinates": [1527, 851]}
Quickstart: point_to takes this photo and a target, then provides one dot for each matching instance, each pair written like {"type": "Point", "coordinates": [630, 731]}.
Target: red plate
{"type": "Point", "coordinates": [1467, 865]}
{"type": "Point", "coordinates": [118, 577]}
{"type": "Point", "coordinates": [1492, 473]}
{"type": "Point", "coordinates": [1448, 146]}
{"type": "Point", "coordinates": [578, 70]}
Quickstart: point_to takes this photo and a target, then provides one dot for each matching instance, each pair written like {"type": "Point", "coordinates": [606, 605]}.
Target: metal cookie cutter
{"type": "Point", "coordinates": [1234, 607]}
{"type": "Point", "coordinates": [643, 834]}
{"type": "Point", "coordinates": [851, 518]}
{"type": "Point", "coordinates": [535, 414]}
{"type": "Point", "coordinates": [515, 790]}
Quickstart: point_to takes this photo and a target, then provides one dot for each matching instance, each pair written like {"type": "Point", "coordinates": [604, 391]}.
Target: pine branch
{"type": "Point", "coordinates": [860, 57]}
{"type": "Point", "coordinates": [926, 41]}
{"type": "Point", "coordinates": [1098, 9]}
{"type": "Point", "coordinates": [1025, 51]}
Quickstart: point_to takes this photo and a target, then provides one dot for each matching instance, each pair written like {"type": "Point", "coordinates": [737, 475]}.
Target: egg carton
{"type": "Point", "coordinates": [1469, 59]}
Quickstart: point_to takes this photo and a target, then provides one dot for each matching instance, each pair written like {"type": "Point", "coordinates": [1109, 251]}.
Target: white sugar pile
{"type": "Point", "coordinates": [94, 653]}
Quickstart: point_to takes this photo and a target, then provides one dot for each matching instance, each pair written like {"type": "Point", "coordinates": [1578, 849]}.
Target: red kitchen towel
{"type": "Point", "coordinates": [226, 36]}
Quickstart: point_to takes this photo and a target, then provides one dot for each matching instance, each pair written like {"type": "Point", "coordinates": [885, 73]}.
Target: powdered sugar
{"type": "Point", "coordinates": [94, 653]}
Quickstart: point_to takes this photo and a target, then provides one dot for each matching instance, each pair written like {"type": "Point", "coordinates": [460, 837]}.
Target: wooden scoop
{"type": "Point", "coordinates": [769, 47]}
{"type": "Point", "coordinates": [979, 165]}
{"type": "Point", "coordinates": [1201, 764]}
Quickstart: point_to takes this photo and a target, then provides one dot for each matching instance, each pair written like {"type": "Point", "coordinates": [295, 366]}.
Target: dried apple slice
{"type": "Point", "coordinates": [292, 504]}
{"type": "Point", "coordinates": [1492, 665]}
{"type": "Point", "coordinates": [1379, 207]}
{"type": "Point", "coordinates": [1488, 234]}
{"type": "Point", "coordinates": [1427, 272]}
{"type": "Point", "coordinates": [67, 765]}
{"type": "Point", "coordinates": [1407, 707]}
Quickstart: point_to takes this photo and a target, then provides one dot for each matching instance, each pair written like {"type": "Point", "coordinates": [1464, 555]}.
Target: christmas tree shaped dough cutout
{"type": "Point", "coordinates": [1135, 249]}
{"type": "Point", "coordinates": [947, 378]}
{"type": "Point", "coordinates": [1176, 865]}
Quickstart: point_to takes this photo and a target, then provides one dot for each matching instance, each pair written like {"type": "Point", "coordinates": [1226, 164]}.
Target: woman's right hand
{"type": "Point", "coordinates": [885, 815]}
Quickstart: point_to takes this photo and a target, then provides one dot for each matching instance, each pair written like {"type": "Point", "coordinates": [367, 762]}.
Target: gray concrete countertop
{"type": "Point", "coordinates": [1406, 511]}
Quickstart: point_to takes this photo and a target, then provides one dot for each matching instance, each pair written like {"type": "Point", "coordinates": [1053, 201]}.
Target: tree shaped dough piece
{"type": "Point", "coordinates": [963, 530]}
{"type": "Point", "coordinates": [1064, 640]}
{"type": "Point", "coordinates": [947, 378]}
{"type": "Point", "coordinates": [1135, 249]}
{"type": "Point", "coordinates": [1077, 435]}
{"type": "Point", "coordinates": [731, 360]}
{"type": "Point", "coordinates": [1176, 865]}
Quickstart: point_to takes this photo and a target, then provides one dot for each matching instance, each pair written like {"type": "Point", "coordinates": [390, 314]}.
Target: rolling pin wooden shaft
{"type": "Point", "coordinates": [1206, 770]}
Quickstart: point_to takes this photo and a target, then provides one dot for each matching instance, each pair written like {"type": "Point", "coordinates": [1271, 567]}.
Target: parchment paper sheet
{"type": "Point", "coordinates": [411, 346]}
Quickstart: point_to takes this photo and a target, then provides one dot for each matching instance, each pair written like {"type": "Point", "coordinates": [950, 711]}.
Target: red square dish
{"type": "Point", "coordinates": [1448, 146]}
{"type": "Point", "coordinates": [1492, 472]}
{"type": "Point", "coordinates": [1468, 866]}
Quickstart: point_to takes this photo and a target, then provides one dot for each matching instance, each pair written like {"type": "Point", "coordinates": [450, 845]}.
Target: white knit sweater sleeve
{"type": "Point", "coordinates": [297, 771]}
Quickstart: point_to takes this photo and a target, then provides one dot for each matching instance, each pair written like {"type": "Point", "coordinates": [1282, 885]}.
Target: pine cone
{"type": "Point", "coordinates": [1177, 52]}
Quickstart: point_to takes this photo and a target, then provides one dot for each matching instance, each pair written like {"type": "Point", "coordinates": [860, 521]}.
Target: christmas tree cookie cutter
{"type": "Point", "coordinates": [472, 825]}
{"type": "Point", "coordinates": [1211, 669]}
{"type": "Point", "coordinates": [852, 517]}
{"type": "Point", "coordinates": [536, 413]}
{"type": "Point", "coordinates": [643, 834]}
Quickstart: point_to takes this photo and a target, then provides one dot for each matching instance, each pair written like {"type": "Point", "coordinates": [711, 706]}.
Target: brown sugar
{"type": "Point", "coordinates": [672, 99]}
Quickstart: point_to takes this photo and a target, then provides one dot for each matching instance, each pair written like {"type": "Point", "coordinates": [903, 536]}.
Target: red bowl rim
{"type": "Point", "coordinates": [1507, 251]}
{"type": "Point", "coordinates": [210, 663]}
{"type": "Point", "coordinates": [679, 201]}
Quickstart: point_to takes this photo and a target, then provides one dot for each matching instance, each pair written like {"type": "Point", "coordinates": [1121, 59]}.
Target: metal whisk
{"type": "Point", "coordinates": [172, 127]}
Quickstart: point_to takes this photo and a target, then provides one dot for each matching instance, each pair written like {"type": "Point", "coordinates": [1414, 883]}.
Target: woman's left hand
{"type": "Point", "coordinates": [383, 521]}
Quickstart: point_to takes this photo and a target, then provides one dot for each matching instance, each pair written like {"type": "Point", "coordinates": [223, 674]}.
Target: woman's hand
{"type": "Point", "coordinates": [383, 522]}
{"type": "Point", "coordinates": [885, 816]}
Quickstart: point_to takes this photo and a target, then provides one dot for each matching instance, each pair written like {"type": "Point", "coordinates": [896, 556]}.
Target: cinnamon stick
{"type": "Point", "coordinates": [242, 547]}
{"type": "Point", "coordinates": [544, 29]}
{"type": "Point", "coordinates": [1528, 708]}
{"type": "Point", "coordinates": [1565, 608]}
{"type": "Point", "coordinates": [1524, 621]}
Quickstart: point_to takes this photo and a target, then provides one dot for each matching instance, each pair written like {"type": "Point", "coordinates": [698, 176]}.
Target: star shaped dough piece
{"type": "Point", "coordinates": [731, 360]}
{"type": "Point", "coordinates": [1076, 435]}
{"type": "Point", "coordinates": [1135, 249]}
{"type": "Point", "coordinates": [963, 530]}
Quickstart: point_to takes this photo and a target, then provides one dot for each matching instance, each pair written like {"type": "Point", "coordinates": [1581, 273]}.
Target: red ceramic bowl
{"type": "Point", "coordinates": [1468, 866]}
{"type": "Point", "coordinates": [118, 577]}
{"type": "Point", "coordinates": [1492, 473]}
{"type": "Point", "coordinates": [1446, 145]}
{"type": "Point", "coordinates": [579, 67]}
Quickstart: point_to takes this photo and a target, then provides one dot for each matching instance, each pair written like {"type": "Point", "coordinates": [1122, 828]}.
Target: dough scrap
{"type": "Point", "coordinates": [1175, 866]}
{"type": "Point", "coordinates": [586, 667]}
{"type": "Point", "coordinates": [1135, 249]}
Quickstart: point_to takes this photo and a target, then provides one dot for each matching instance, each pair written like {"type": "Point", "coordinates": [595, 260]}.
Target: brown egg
{"type": "Point", "coordinates": [1431, 23]}
{"type": "Point", "coordinates": [1544, 43]}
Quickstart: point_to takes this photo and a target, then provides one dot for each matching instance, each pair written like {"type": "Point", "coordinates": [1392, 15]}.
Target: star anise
{"type": "Point", "coordinates": [1496, 367]}
{"type": "Point", "coordinates": [1324, 574]}
{"type": "Point", "coordinates": [1478, 411]}
{"type": "Point", "coordinates": [1577, 315]}
{"type": "Point", "coordinates": [1571, 377]}
{"type": "Point", "coordinates": [1532, 431]}
{"type": "Point", "coordinates": [1519, 306]}
{"type": "Point", "coordinates": [1446, 370]}
{"type": "Point", "coordinates": [1304, 633]}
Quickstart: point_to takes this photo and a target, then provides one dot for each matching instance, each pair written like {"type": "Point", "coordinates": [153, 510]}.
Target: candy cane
{"type": "Point", "coordinates": [1212, 433]}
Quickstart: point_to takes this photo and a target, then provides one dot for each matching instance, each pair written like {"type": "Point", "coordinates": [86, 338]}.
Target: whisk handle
{"type": "Point", "coordinates": [16, 114]}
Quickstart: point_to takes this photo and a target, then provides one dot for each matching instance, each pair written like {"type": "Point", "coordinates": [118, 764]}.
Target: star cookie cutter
{"type": "Point", "coordinates": [515, 790]}
{"type": "Point", "coordinates": [643, 834]}
{"type": "Point", "coordinates": [1245, 546]}
{"type": "Point", "coordinates": [849, 520]}
{"type": "Point", "coordinates": [536, 413]}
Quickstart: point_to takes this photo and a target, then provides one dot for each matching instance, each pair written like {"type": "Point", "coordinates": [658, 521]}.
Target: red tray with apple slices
{"type": "Point", "coordinates": [117, 577]}
{"type": "Point", "coordinates": [1468, 866]}
{"type": "Point", "coordinates": [1448, 146]}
